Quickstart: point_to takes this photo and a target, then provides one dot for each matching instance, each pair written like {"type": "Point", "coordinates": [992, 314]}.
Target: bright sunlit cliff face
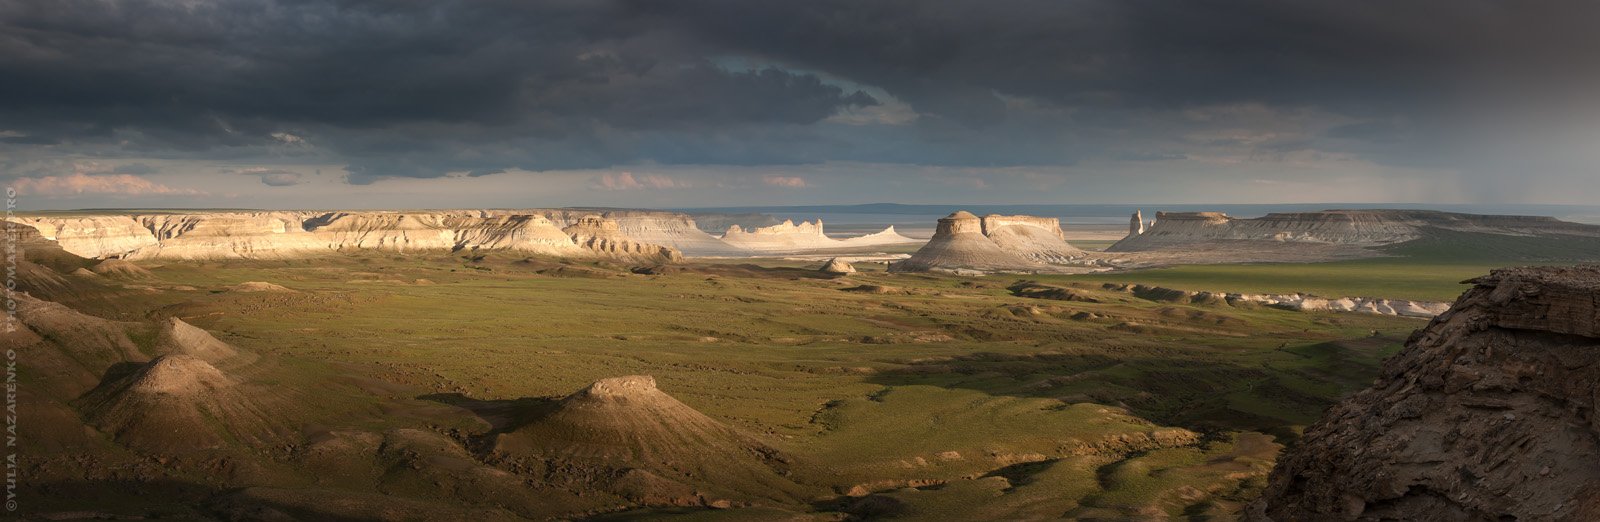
{"type": "Point", "coordinates": [342, 104]}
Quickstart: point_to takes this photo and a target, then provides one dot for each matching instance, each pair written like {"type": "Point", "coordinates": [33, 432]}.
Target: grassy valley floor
{"type": "Point", "coordinates": [915, 395]}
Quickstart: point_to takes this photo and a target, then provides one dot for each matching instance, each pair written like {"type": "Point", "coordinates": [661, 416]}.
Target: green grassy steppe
{"type": "Point", "coordinates": [936, 395]}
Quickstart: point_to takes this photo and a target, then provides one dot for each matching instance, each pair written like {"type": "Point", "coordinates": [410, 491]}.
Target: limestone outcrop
{"type": "Point", "coordinates": [605, 236]}
{"type": "Point", "coordinates": [838, 266]}
{"type": "Point", "coordinates": [1298, 301]}
{"type": "Point", "coordinates": [1487, 414]}
{"type": "Point", "coordinates": [959, 244]}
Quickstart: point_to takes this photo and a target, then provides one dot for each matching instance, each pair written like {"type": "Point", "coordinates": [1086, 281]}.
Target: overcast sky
{"type": "Point", "coordinates": [479, 103]}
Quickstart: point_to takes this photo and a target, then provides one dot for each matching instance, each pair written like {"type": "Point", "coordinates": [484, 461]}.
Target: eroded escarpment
{"type": "Point", "coordinates": [1353, 228]}
{"type": "Point", "coordinates": [1488, 414]}
{"type": "Point", "coordinates": [273, 235]}
{"type": "Point", "coordinates": [669, 229]}
{"type": "Point", "coordinates": [1033, 237]}
{"type": "Point", "coordinates": [620, 235]}
{"type": "Point", "coordinates": [605, 236]}
{"type": "Point", "coordinates": [959, 244]}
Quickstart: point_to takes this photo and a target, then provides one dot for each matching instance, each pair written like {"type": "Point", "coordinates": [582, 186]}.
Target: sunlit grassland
{"type": "Point", "coordinates": [942, 380]}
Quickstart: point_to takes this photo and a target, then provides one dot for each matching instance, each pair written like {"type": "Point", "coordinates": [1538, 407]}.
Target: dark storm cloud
{"type": "Point", "coordinates": [952, 55]}
{"type": "Point", "coordinates": [422, 88]}
{"type": "Point", "coordinates": [363, 77]}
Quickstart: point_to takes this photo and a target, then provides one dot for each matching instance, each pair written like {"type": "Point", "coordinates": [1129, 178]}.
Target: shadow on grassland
{"type": "Point", "coordinates": [1275, 392]}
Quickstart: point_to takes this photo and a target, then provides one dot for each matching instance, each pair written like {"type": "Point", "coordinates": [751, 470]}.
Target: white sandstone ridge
{"type": "Point", "coordinates": [994, 243]}
{"type": "Point", "coordinates": [669, 229]}
{"type": "Point", "coordinates": [269, 235]}
{"type": "Point", "coordinates": [1360, 228]}
{"type": "Point", "coordinates": [1296, 301]}
{"type": "Point", "coordinates": [790, 237]}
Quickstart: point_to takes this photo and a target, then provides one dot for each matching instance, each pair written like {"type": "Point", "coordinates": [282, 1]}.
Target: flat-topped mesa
{"type": "Point", "coordinates": [1033, 237]}
{"type": "Point", "coordinates": [993, 223]}
{"type": "Point", "coordinates": [959, 244]}
{"type": "Point", "coordinates": [1357, 228]}
{"type": "Point", "coordinates": [604, 236]}
{"type": "Point", "coordinates": [1489, 413]}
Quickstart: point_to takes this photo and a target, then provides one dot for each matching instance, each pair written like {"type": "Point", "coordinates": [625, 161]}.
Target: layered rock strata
{"type": "Point", "coordinates": [1487, 414]}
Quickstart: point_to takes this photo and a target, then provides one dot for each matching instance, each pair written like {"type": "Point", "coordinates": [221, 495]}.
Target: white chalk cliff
{"type": "Point", "coordinates": [605, 236]}
{"type": "Point", "coordinates": [783, 237]}
{"type": "Point", "coordinates": [1036, 238]}
{"type": "Point", "coordinates": [668, 229]}
{"type": "Point", "coordinates": [268, 235]}
{"type": "Point", "coordinates": [624, 235]}
{"type": "Point", "coordinates": [790, 237]}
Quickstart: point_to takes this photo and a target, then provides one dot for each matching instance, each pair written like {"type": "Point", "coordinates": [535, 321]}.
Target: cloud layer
{"type": "Point", "coordinates": [414, 89]}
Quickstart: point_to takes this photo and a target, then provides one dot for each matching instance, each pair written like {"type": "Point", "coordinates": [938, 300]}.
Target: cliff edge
{"type": "Point", "coordinates": [1487, 414]}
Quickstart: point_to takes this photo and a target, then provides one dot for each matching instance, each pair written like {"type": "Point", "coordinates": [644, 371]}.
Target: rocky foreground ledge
{"type": "Point", "coordinates": [1488, 414]}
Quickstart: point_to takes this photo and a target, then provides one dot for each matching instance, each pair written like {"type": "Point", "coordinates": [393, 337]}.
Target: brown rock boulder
{"type": "Point", "coordinates": [1488, 414]}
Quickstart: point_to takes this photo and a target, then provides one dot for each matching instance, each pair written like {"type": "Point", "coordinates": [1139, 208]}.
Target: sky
{"type": "Point", "coordinates": [700, 103]}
